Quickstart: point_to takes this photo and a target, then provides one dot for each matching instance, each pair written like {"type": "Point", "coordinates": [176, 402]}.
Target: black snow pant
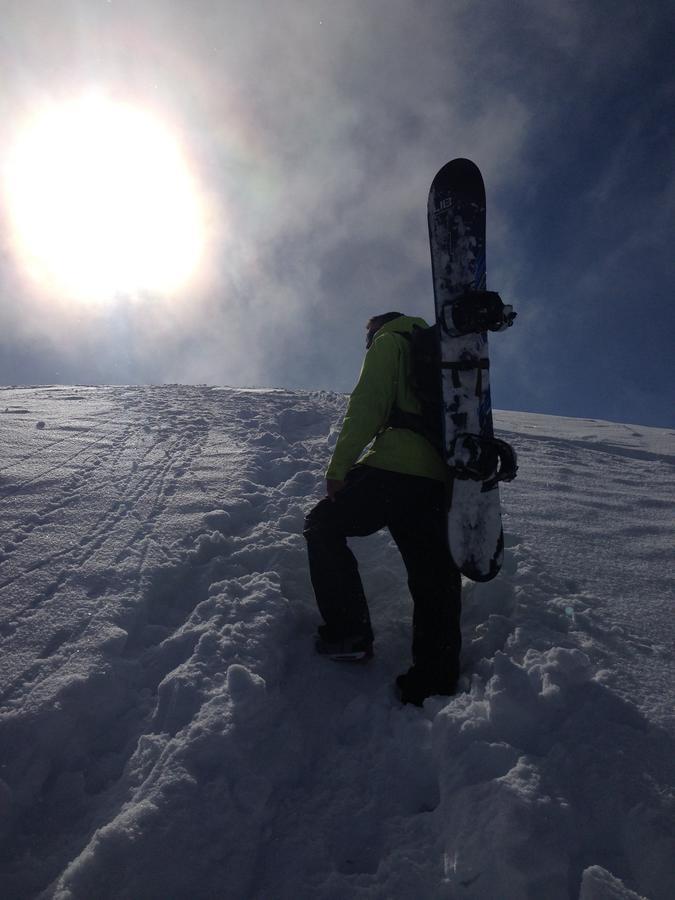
{"type": "Point", "coordinates": [414, 509]}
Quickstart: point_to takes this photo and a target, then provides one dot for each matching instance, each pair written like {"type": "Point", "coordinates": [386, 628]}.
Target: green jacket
{"type": "Point", "coordinates": [385, 380]}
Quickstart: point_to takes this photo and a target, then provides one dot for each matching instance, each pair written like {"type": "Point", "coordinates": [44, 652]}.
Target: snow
{"type": "Point", "coordinates": [166, 730]}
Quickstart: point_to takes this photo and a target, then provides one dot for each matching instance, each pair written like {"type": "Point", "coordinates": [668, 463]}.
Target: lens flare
{"type": "Point", "coordinates": [102, 202]}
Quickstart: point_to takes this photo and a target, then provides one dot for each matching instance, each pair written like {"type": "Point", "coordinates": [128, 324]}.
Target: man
{"type": "Point", "coordinates": [400, 483]}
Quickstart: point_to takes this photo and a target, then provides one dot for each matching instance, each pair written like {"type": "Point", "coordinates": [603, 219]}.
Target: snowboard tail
{"type": "Point", "coordinates": [465, 311]}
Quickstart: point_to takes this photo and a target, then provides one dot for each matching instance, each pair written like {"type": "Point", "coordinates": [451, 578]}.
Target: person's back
{"type": "Point", "coordinates": [385, 384]}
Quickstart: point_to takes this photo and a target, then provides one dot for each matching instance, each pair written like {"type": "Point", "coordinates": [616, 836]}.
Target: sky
{"type": "Point", "coordinates": [308, 134]}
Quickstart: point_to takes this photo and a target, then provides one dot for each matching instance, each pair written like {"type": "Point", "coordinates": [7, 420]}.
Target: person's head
{"type": "Point", "coordinates": [376, 322]}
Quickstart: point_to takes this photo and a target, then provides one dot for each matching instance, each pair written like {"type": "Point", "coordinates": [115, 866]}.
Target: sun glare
{"type": "Point", "coordinates": [102, 202]}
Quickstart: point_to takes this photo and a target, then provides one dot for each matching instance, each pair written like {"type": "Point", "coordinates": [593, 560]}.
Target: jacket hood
{"type": "Point", "coordinates": [402, 323]}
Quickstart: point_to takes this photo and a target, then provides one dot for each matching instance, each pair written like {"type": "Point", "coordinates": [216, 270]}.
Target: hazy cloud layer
{"type": "Point", "coordinates": [315, 129]}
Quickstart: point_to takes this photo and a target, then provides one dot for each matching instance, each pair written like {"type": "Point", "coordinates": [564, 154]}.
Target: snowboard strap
{"type": "Point", "coordinates": [467, 365]}
{"type": "Point", "coordinates": [475, 311]}
{"type": "Point", "coordinates": [477, 458]}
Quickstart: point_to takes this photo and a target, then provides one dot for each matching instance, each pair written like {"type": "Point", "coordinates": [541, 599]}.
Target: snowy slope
{"type": "Point", "coordinates": [167, 732]}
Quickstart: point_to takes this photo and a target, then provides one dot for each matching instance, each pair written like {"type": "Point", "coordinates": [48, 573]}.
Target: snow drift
{"type": "Point", "coordinates": [167, 732]}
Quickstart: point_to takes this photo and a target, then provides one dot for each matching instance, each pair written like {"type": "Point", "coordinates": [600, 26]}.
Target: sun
{"type": "Point", "coordinates": [102, 202]}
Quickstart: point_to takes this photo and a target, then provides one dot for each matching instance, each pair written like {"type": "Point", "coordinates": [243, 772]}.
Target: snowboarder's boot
{"type": "Point", "coordinates": [418, 683]}
{"type": "Point", "coordinates": [349, 648]}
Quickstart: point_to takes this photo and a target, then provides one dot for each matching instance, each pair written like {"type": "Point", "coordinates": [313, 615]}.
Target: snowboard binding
{"type": "Point", "coordinates": [476, 311]}
{"type": "Point", "coordinates": [489, 460]}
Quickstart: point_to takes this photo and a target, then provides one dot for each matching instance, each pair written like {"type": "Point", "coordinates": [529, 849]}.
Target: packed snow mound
{"type": "Point", "coordinates": [166, 730]}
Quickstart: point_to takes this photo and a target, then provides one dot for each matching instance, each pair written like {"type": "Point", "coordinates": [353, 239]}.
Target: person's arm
{"type": "Point", "coordinates": [369, 407]}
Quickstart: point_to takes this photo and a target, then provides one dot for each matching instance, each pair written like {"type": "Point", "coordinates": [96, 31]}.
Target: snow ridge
{"type": "Point", "coordinates": [166, 731]}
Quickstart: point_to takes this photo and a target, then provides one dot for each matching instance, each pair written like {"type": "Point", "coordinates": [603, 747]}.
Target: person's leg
{"type": "Point", "coordinates": [419, 528]}
{"type": "Point", "coordinates": [357, 510]}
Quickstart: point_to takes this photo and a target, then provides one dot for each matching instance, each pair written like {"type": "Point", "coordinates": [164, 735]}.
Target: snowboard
{"type": "Point", "coordinates": [465, 310]}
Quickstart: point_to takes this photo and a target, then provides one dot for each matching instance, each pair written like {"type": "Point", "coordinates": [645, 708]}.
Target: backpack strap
{"type": "Point", "coordinates": [399, 418]}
